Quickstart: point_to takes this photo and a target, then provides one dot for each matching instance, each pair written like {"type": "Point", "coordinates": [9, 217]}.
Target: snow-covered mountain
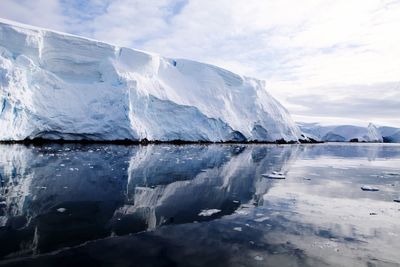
{"type": "Point", "coordinates": [59, 86]}
{"type": "Point", "coordinates": [341, 133]}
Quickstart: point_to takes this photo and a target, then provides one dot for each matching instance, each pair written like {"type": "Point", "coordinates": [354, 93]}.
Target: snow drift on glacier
{"type": "Point", "coordinates": [59, 86]}
{"type": "Point", "coordinates": [341, 133]}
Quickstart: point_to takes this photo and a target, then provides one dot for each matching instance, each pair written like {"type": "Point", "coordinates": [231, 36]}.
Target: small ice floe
{"type": "Point", "coordinates": [239, 229]}
{"type": "Point", "coordinates": [369, 188]}
{"type": "Point", "coordinates": [209, 212]}
{"type": "Point", "coordinates": [61, 210]}
{"type": "Point", "coordinates": [274, 175]}
{"type": "Point", "coordinates": [261, 219]}
{"type": "Point", "coordinates": [41, 187]}
{"type": "Point", "coordinates": [258, 258]}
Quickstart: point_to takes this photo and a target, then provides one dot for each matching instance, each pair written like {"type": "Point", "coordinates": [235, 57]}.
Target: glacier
{"type": "Point", "coordinates": [342, 133]}
{"type": "Point", "coordinates": [390, 134]}
{"type": "Point", "coordinates": [60, 86]}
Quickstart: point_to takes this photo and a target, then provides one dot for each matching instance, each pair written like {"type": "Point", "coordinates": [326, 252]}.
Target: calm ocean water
{"type": "Point", "coordinates": [199, 205]}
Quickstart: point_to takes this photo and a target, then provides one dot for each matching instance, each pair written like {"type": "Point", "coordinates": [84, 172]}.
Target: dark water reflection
{"type": "Point", "coordinates": [54, 199]}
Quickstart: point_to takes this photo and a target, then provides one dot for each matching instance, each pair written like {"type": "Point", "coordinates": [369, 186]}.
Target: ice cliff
{"type": "Point", "coordinates": [59, 86]}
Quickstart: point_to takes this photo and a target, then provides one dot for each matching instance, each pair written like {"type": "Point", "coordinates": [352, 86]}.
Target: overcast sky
{"type": "Point", "coordinates": [331, 61]}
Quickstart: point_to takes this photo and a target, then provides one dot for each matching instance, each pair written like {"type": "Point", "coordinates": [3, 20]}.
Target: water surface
{"type": "Point", "coordinates": [198, 205]}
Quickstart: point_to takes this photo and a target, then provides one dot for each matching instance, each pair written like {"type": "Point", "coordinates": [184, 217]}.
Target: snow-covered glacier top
{"type": "Point", "coordinates": [59, 86]}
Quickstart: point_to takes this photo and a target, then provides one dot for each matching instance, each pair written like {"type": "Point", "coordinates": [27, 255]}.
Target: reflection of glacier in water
{"type": "Point", "coordinates": [64, 195]}
{"type": "Point", "coordinates": [59, 196]}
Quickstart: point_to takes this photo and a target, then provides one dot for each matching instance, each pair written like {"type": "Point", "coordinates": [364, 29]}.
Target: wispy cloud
{"type": "Point", "coordinates": [302, 48]}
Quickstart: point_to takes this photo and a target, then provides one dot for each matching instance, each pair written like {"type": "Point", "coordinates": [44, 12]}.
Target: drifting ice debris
{"type": "Point", "coordinates": [61, 210]}
{"type": "Point", "coordinates": [209, 212]}
{"type": "Point", "coordinates": [239, 229]}
{"type": "Point", "coordinates": [262, 219]}
{"type": "Point", "coordinates": [369, 188]}
{"type": "Point", "coordinates": [258, 258]}
{"type": "Point", "coordinates": [242, 212]}
{"type": "Point", "coordinates": [41, 187]}
{"type": "Point", "coordinates": [392, 173]}
{"type": "Point", "coordinates": [274, 175]}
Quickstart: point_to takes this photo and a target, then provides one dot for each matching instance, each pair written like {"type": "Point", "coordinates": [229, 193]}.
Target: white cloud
{"type": "Point", "coordinates": [301, 48]}
{"type": "Point", "coordinates": [43, 13]}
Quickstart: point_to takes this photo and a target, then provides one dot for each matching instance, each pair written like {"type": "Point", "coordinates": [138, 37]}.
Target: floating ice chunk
{"type": "Point", "coordinates": [242, 212]}
{"type": "Point", "coordinates": [261, 219]}
{"type": "Point", "coordinates": [392, 173]}
{"type": "Point", "coordinates": [41, 187]}
{"type": "Point", "coordinates": [258, 258]}
{"type": "Point", "coordinates": [239, 229]}
{"type": "Point", "coordinates": [369, 188]}
{"type": "Point", "coordinates": [209, 212]}
{"type": "Point", "coordinates": [61, 210]}
{"type": "Point", "coordinates": [274, 175]}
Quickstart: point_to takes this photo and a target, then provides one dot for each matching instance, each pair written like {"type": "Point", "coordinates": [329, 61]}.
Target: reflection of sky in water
{"type": "Point", "coordinates": [61, 196]}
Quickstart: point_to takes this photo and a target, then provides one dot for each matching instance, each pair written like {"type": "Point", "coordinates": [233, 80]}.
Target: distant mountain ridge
{"type": "Point", "coordinates": [350, 133]}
